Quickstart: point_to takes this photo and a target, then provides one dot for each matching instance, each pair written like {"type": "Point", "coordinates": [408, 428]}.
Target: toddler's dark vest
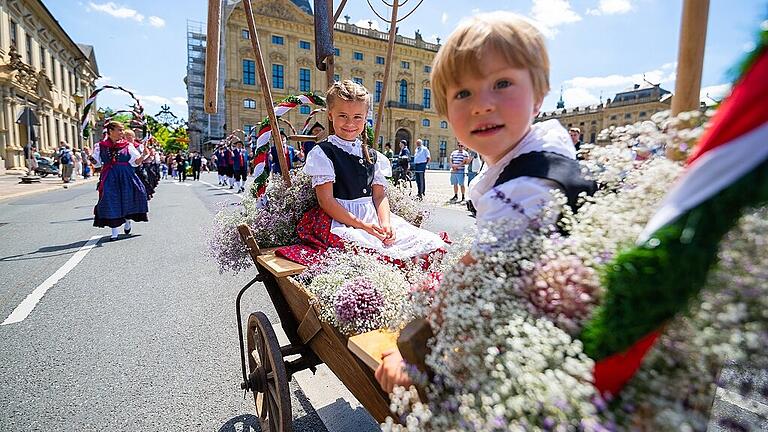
{"type": "Point", "coordinates": [354, 176]}
{"type": "Point", "coordinates": [550, 166]}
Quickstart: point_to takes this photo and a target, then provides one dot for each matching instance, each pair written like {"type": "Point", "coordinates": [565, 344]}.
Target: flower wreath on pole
{"type": "Point", "coordinates": [85, 125]}
{"type": "Point", "coordinates": [264, 133]}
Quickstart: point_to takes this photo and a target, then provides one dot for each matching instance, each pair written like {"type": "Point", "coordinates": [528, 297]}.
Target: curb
{"type": "Point", "coordinates": [49, 188]}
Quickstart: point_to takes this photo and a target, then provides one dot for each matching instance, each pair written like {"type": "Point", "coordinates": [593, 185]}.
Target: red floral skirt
{"type": "Point", "coordinates": [314, 232]}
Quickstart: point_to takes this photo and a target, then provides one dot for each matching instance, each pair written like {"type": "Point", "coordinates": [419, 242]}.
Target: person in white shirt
{"type": "Point", "coordinates": [421, 158]}
{"type": "Point", "coordinates": [489, 80]}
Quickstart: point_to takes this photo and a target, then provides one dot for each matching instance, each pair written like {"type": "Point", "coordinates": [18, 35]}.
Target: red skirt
{"type": "Point", "coordinates": [314, 232]}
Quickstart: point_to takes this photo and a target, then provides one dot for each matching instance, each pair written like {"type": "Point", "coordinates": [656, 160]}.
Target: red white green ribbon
{"type": "Point", "coordinates": [265, 133]}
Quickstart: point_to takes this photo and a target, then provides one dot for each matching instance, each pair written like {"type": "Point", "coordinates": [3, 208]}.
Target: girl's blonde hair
{"type": "Point", "coordinates": [349, 91]}
{"type": "Point", "coordinates": [506, 34]}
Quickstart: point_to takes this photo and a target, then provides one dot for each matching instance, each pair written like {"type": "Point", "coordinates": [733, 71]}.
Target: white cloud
{"type": "Point", "coordinates": [363, 23]}
{"type": "Point", "coordinates": [582, 91]}
{"type": "Point", "coordinates": [444, 18]}
{"type": "Point", "coordinates": [662, 75]}
{"type": "Point", "coordinates": [578, 96]}
{"type": "Point", "coordinates": [551, 14]}
{"type": "Point", "coordinates": [715, 93]}
{"type": "Point", "coordinates": [103, 80]}
{"type": "Point", "coordinates": [611, 7]}
{"type": "Point", "coordinates": [162, 100]}
{"type": "Point", "coordinates": [156, 21]}
{"type": "Point", "coordinates": [116, 11]}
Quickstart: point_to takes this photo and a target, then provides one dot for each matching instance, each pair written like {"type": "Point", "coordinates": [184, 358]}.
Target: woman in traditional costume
{"type": "Point", "coordinates": [122, 196]}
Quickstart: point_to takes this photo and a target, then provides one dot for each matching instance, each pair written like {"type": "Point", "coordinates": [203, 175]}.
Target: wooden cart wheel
{"type": "Point", "coordinates": [268, 380]}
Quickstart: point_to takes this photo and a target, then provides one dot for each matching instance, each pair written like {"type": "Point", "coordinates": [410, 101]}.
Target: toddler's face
{"type": "Point", "coordinates": [492, 112]}
{"type": "Point", "coordinates": [348, 118]}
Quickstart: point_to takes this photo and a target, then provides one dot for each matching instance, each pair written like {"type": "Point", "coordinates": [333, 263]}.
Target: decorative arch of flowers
{"type": "Point", "coordinates": [137, 110]}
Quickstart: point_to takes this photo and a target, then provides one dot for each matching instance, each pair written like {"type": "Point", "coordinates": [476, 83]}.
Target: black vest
{"type": "Point", "coordinates": [354, 176]}
{"type": "Point", "coordinates": [550, 166]}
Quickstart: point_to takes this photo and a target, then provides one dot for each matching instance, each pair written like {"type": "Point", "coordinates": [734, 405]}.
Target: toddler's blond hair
{"type": "Point", "coordinates": [504, 33]}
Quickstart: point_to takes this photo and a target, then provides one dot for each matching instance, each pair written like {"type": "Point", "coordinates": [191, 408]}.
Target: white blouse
{"type": "Point", "coordinates": [410, 241]}
{"type": "Point", "coordinates": [133, 151]}
{"type": "Point", "coordinates": [522, 196]}
{"type": "Point", "coordinates": [321, 168]}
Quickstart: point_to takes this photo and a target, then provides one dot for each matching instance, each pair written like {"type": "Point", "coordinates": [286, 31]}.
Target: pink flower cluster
{"type": "Point", "coordinates": [358, 302]}
{"type": "Point", "coordinates": [564, 290]}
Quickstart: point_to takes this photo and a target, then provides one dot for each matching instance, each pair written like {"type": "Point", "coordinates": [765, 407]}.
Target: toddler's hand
{"type": "Point", "coordinates": [374, 230]}
{"type": "Point", "coordinates": [391, 371]}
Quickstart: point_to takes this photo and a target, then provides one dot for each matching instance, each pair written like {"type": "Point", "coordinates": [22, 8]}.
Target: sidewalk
{"type": "Point", "coordinates": [11, 186]}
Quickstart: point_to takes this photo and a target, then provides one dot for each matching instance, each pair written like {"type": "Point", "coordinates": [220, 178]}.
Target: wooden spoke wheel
{"type": "Point", "coordinates": [267, 378]}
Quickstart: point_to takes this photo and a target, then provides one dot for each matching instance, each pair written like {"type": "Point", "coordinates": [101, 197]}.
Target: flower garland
{"type": "Point", "coordinates": [264, 133]}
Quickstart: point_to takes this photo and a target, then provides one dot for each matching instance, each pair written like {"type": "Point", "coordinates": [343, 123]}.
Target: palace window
{"type": "Point", "coordinates": [28, 43]}
{"type": "Point", "coordinates": [425, 122]}
{"type": "Point", "coordinates": [403, 92]}
{"type": "Point", "coordinates": [425, 142]}
{"type": "Point", "coordinates": [336, 52]}
{"type": "Point", "coordinates": [305, 109]}
{"type": "Point", "coordinates": [443, 124]}
{"type": "Point", "coordinates": [336, 77]}
{"type": "Point", "coordinates": [42, 58]}
{"type": "Point", "coordinates": [278, 40]}
{"type": "Point", "coordinates": [357, 55]}
{"type": "Point", "coordinates": [305, 45]}
{"type": "Point", "coordinates": [245, 34]}
{"type": "Point", "coordinates": [278, 76]}
{"type": "Point", "coordinates": [377, 92]}
{"type": "Point", "coordinates": [628, 116]}
{"type": "Point", "coordinates": [358, 80]}
{"type": "Point", "coordinates": [405, 65]}
{"type": "Point", "coordinates": [427, 68]}
{"type": "Point", "coordinates": [247, 129]}
{"type": "Point", "coordinates": [14, 34]}
{"type": "Point", "coordinates": [642, 114]}
{"type": "Point", "coordinates": [427, 98]}
{"type": "Point", "coordinates": [304, 80]}
{"type": "Point", "coordinates": [249, 104]}
{"type": "Point", "coordinates": [249, 72]}
{"type": "Point", "coordinates": [379, 60]}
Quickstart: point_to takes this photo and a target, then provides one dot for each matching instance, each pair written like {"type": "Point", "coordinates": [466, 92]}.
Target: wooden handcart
{"type": "Point", "coordinates": [311, 343]}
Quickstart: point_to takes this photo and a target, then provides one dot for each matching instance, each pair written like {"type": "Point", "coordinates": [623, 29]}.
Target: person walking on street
{"type": "Point", "coordinates": [66, 159]}
{"type": "Point", "coordinates": [122, 196]}
{"type": "Point", "coordinates": [474, 165]}
{"type": "Point", "coordinates": [421, 158]}
{"type": "Point", "coordinates": [181, 165]}
{"type": "Point", "coordinates": [197, 162]}
{"type": "Point", "coordinates": [241, 166]}
{"type": "Point", "coordinates": [459, 158]}
{"type": "Point", "coordinates": [29, 155]}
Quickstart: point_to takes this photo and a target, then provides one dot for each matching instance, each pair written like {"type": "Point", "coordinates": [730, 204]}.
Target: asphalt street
{"type": "Point", "coordinates": [140, 334]}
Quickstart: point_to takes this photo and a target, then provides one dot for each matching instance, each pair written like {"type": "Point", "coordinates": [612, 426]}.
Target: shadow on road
{"type": "Point", "coordinates": [247, 422]}
{"type": "Point", "coordinates": [65, 249]}
{"type": "Point", "coordinates": [90, 218]}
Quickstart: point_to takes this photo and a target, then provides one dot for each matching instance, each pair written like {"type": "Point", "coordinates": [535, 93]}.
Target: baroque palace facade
{"type": "Point", "coordinates": [44, 79]}
{"type": "Point", "coordinates": [286, 35]}
{"type": "Point", "coordinates": [627, 107]}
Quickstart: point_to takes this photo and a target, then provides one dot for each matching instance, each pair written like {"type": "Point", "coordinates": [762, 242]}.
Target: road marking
{"type": "Point", "coordinates": [220, 188]}
{"type": "Point", "coordinates": [25, 307]}
{"type": "Point", "coordinates": [182, 184]}
{"type": "Point", "coordinates": [742, 402]}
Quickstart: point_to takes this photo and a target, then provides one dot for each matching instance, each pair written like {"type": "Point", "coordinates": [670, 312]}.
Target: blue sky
{"type": "Point", "coordinates": [596, 46]}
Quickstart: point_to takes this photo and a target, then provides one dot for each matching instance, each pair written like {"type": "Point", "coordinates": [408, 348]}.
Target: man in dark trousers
{"type": "Point", "coordinates": [196, 161]}
{"type": "Point", "coordinates": [181, 166]}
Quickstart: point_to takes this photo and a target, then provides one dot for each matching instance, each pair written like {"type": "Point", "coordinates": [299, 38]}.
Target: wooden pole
{"type": "Point", "coordinates": [690, 56]}
{"type": "Point", "coordinates": [210, 97]}
{"type": "Point", "coordinates": [265, 89]}
{"type": "Point", "coordinates": [387, 69]}
{"type": "Point", "coordinates": [329, 69]}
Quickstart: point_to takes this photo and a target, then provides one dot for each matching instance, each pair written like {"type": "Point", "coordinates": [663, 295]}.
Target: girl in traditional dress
{"type": "Point", "coordinates": [349, 179]}
{"type": "Point", "coordinates": [122, 196]}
